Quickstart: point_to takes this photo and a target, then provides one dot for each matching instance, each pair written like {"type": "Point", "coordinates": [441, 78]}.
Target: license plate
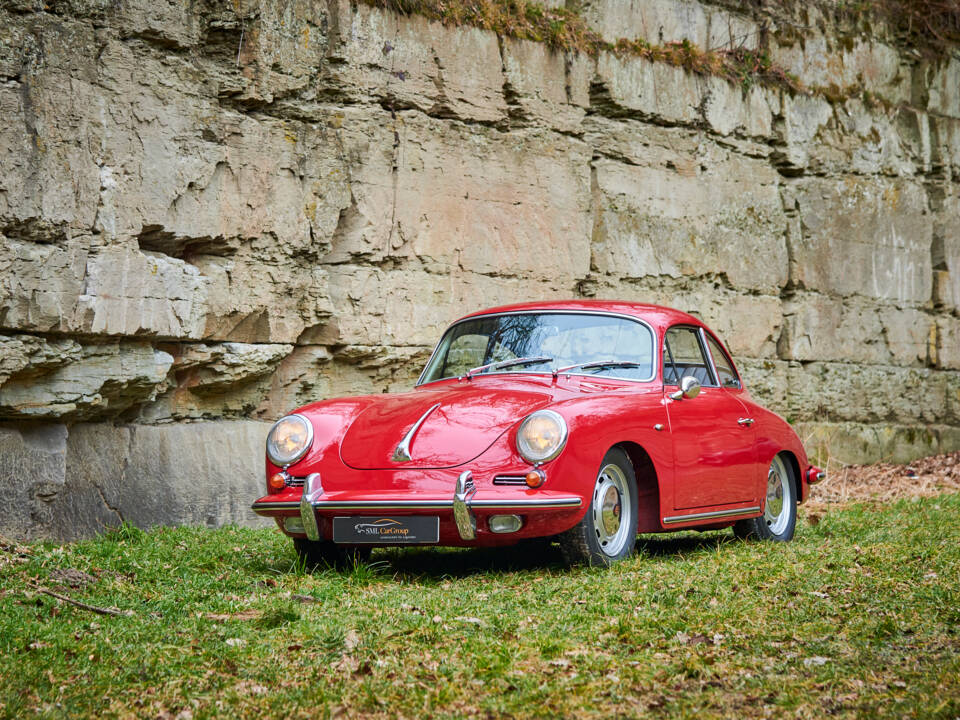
{"type": "Point", "coordinates": [386, 529]}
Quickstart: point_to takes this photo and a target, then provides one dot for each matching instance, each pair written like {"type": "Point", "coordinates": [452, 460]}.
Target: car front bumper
{"type": "Point", "coordinates": [462, 507]}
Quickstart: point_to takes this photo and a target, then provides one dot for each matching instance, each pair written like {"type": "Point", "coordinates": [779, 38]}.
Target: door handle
{"type": "Point", "coordinates": [745, 421]}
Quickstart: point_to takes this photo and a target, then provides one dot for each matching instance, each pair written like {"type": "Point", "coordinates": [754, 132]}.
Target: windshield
{"type": "Point", "coordinates": [546, 341]}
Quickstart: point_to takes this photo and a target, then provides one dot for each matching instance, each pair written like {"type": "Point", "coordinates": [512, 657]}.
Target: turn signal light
{"type": "Point", "coordinates": [277, 481]}
{"type": "Point", "coordinates": [536, 478]}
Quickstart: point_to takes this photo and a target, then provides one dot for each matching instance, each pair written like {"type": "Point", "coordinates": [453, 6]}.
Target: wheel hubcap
{"type": "Point", "coordinates": [611, 510]}
{"type": "Point", "coordinates": [779, 497]}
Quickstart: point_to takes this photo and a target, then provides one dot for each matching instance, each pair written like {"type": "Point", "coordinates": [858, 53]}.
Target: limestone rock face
{"type": "Point", "coordinates": [211, 214]}
{"type": "Point", "coordinates": [104, 380]}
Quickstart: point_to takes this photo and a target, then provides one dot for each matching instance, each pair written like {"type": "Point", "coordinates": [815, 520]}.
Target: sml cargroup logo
{"type": "Point", "coordinates": [386, 526]}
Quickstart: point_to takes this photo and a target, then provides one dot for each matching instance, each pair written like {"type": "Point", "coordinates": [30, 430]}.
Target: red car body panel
{"type": "Point", "coordinates": [693, 457]}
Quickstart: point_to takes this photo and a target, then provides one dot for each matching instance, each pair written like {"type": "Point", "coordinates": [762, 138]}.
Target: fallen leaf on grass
{"type": "Point", "coordinates": [351, 640]}
{"type": "Point", "coordinates": [470, 620]}
{"type": "Point", "coordinates": [71, 577]}
{"type": "Point", "coordinates": [236, 642]}
{"type": "Point", "coordinates": [306, 599]}
{"type": "Point", "coordinates": [243, 615]}
{"type": "Point", "coordinates": [246, 686]}
{"type": "Point", "coordinates": [815, 661]}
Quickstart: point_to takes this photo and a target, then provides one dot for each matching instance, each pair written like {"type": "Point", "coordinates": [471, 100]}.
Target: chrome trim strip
{"type": "Point", "coordinates": [264, 507]}
{"type": "Point", "coordinates": [712, 515]}
{"type": "Point", "coordinates": [373, 504]}
{"type": "Point", "coordinates": [519, 504]}
{"type": "Point", "coordinates": [560, 502]}
{"type": "Point", "coordinates": [510, 480]}
{"type": "Point", "coordinates": [466, 521]}
{"type": "Point", "coordinates": [402, 453]}
{"type": "Point", "coordinates": [552, 311]}
{"type": "Point", "coordinates": [312, 489]}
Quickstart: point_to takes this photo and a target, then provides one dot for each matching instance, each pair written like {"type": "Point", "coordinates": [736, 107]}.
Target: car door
{"type": "Point", "coordinates": [713, 450]}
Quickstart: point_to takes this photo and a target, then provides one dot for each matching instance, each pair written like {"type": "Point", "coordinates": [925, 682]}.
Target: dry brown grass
{"type": "Point", "coordinates": [560, 29]}
{"type": "Point", "coordinates": [566, 31]}
{"type": "Point", "coordinates": [933, 23]}
{"type": "Point", "coordinates": [885, 482]}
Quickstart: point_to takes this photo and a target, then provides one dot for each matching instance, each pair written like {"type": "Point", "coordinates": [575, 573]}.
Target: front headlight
{"type": "Point", "coordinates": [541, 436]}
{"type": "Point", "coordinates": [289, 439]}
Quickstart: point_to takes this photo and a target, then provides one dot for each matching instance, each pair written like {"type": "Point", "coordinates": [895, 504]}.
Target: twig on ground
{"type": "Point", "coordinates": [81, 605]}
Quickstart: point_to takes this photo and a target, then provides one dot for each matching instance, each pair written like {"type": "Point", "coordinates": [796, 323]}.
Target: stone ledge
{"type": "Point", "coordinates": [833, 444]}
{"type": "Point", "coordinates": [87, 477]}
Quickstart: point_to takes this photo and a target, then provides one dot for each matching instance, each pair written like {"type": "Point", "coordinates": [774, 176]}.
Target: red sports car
{"type": "Point", "coordinates": [584, 421]}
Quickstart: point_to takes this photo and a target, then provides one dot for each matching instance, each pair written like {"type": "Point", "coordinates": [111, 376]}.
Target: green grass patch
{"type": "Point", "coordinates": [858, 617]}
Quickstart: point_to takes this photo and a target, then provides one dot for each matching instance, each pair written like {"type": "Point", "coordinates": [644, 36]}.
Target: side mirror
{"type": "Point", "coordinates": [689, 388]}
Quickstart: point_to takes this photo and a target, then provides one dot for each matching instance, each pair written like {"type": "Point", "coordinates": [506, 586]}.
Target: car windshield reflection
{"type": "Point", "coordinates": [544, 342]}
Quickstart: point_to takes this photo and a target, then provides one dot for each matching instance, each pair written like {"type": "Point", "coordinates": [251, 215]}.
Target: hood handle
{"type": "Point", "coordinates": [402, 453]}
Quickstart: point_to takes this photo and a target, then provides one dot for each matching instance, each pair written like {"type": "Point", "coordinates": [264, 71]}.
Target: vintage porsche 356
{"type": "Point", "coordinates": [586, 422]}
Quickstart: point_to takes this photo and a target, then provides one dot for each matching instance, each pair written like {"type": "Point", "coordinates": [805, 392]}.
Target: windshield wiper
{"type": "Point", "coordinates": [532, 360]}
{"type": "Point", "coordinates": [598, 364]}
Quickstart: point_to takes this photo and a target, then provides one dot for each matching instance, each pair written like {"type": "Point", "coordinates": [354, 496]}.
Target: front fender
{"type": "Point", "coordinates": [597, 424]}
{"type": "Point", "coordinates": [330, 420]}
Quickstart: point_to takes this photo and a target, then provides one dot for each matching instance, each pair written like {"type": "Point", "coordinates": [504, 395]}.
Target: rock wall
{"type": "Point", "coordinates": [213, 212]}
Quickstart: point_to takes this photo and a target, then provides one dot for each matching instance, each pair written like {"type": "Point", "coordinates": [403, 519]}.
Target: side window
{"type": "Point", "coordinates": [683, 356]}
{"type": "Point", "coordinates": [728, 376]}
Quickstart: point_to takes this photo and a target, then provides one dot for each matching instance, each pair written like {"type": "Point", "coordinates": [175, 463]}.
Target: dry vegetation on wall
{"type": "Point", "coordinates": [930, 24]}
{"type": "Point", "coordinates": [565, 30]}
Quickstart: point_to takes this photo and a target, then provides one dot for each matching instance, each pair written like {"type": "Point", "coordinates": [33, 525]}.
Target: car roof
{"type": "Point", "coordinates": [657, 315]}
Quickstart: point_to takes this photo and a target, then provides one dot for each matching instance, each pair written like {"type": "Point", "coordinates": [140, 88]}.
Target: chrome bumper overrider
{"type": "Point", "coordinates": [462, 504]}
{"type": "Point", "coordinates": [312, 489]}
{"type": "Point", "coordinates": [466, 520]}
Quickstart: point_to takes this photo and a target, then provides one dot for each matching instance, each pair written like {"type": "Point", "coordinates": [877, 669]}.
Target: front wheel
{"type": "Point", "coordinates": [325, 554]}
{"type": "Point", "coordinates": [608, 531]}
{"type": "Point", "coordinates": [779, 518]}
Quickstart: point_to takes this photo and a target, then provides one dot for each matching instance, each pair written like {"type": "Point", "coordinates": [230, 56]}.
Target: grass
{"type": "Point", "coordinates": [858, 617]}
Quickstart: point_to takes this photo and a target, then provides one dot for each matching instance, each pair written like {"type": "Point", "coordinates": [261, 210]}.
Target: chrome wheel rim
{"type": "Point", "coordinates": [776, 512]}
{"type": "Point", "coordinates": [611, 510]}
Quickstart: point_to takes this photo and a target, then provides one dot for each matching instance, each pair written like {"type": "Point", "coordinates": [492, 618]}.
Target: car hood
{"type": "Point", "coordinates": [464, 421]}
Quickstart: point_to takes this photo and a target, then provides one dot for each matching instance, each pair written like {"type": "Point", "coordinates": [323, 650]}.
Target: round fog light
{"type": "Point", "coordinates": [505, 523]}
{"type": "Point", "coordinates": [293, 525]}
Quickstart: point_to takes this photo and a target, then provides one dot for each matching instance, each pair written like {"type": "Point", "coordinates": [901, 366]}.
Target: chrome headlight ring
{"type": "Point", "coordinates": [541, 436]}
{"type": "Point", "coordinates": [299, 446]}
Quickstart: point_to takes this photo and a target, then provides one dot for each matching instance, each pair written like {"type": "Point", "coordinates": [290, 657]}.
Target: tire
{"type": "Point", "coordinates": [779, 519]}
{"type": "Point", "coordinates": [608, 531]}
{"type": "Point", "coordinates": [324, 554]}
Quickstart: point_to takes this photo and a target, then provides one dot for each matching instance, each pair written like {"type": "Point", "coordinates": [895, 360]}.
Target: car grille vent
{"type": "Point", "coordinates": [295, 482]}
{"type": "Point", "coordinates": [510, 480]}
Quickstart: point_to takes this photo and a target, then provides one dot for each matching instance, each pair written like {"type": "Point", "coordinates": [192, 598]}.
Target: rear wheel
{"type": "Point", "coordinates": [779, 518]}
{"type": "Point", "coordinates": [325, 554]}
{"type": "Point", "coordinates": [608, 531]}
